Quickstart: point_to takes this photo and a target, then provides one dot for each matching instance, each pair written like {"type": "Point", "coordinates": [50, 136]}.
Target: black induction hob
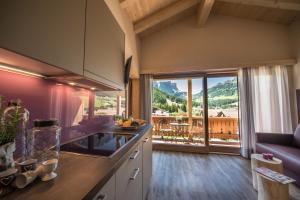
{"type": "Point", "coordinates": [100, 144]}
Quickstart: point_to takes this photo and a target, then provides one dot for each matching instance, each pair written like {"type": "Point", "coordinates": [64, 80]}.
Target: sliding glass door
{"type": "Point", "coordinates": [196, 111]}
{"type": "Point", "coordinates": [223, 111]}
{"type": "Point", "coordinates": [178, 114]}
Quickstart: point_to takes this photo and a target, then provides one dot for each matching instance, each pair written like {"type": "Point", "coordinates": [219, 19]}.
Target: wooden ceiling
{"type": "Point", "coordinates": [148, 14]}
{"type": "Point", "coordinates": [139, 9]}
{"type": "Point", "coordinates": [268, 14]}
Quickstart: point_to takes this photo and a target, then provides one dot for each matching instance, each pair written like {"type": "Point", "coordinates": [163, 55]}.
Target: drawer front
{"type": "Point", "coordinates": [147, 163]}
{"type": "Point", "coordinates": [108, 191]}
{"type": "Point", "coordinates": [129, 176]}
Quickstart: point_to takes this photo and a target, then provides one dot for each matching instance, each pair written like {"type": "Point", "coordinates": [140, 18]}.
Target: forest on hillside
{"type": "Point", "coordinates": [167, 98]}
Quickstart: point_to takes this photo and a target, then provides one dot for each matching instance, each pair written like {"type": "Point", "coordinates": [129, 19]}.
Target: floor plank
{"type": "Point", "coordinates": [183, 176]}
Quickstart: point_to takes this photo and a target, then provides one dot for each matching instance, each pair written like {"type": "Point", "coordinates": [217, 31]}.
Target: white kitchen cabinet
{"type": "Point", "coordinates": [104, 46]}
{"type": "Point", "coordinates": [147, 162]}
{"type": "Point", "coordinates": [108, 191]}
{"type": "Point", "coordinates": [78, 36]}
{"type": "Point", "coordinates": [132, 180]}
{"type": "Point", "coordinates": [129, 177]}
{"type": "Point", "coordinates": [51, 31]}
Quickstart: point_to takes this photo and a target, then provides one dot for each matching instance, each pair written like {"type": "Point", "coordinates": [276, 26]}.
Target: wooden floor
{"type": "Point", "coordinates": [181, 176]}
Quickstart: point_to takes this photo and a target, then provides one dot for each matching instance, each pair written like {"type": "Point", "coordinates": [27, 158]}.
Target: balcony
{"type": "Point", "coordinates": [222, 130]}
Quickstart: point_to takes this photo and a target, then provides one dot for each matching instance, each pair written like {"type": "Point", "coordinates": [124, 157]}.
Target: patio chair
{"type": "Point", "coordinates": [164, 129]}
{"type": "Point", "coordinates": [180, 133]}
{"type": "Point", "coordinates": [196, 131]}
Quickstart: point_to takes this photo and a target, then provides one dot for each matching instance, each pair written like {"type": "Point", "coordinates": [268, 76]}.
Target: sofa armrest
{"type": "Point", "coordinates": [275, 138]}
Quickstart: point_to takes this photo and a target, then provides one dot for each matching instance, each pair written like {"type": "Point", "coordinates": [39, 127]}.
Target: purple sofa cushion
{"type": "Point", "coordinates": [290, 156]}
{"type": "Point", "coordinates": [275, 138]}
{"type": "Point", "coordinates": [297, 137]}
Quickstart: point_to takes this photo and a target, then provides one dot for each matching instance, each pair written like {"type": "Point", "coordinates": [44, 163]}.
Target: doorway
{"type": "Point", "coordinates": [196, 114]}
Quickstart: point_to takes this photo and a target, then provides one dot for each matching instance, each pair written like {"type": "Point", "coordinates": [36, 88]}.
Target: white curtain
{"type": "Point", "coordinates": [264, 103]}
{"type": "Point", "coordinates": [271, 99]}
{"type": "Point", "coordinates": [246, 113]}
{"type": "Point", "coordinates": [146, 96]}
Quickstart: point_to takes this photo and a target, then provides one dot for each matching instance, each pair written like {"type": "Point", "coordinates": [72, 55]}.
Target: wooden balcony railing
{"type": "Point", "coordinates": [223, 128]}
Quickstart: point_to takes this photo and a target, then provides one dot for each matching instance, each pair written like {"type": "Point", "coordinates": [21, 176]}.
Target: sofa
{"type": "Point", "coordinates": [286, 147]}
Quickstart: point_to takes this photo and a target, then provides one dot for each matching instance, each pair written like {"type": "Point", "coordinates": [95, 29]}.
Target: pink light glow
{"type": "Point", "coordinates": [46, 99]}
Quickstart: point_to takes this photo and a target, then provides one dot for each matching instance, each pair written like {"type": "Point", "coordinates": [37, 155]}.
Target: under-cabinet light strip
{"type": "Point", "coordinates": [19, 71]}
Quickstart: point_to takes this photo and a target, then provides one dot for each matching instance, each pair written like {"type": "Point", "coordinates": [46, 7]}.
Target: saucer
{"type": "Point", "coordinates": [48, 177]}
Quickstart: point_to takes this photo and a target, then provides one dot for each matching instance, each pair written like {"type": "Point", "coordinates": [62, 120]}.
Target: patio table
{"type": "Point", "coordinates": [180, 128]}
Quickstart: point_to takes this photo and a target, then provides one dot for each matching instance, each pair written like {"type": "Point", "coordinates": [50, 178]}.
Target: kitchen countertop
{"type": "Point", "coordinates": [79, 176]}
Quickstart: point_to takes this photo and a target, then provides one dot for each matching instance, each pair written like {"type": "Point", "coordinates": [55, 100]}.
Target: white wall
{"type": "Point", "coordinates": [223, 42]}
{"type": "Point", "coordinates": [295, 43]}
{"type": "Point", "coordinates": [131, 41]}
{"type": "Point", "coordinates": [294, 31]}
{"type": "Point", "coordinates": [297, 74]}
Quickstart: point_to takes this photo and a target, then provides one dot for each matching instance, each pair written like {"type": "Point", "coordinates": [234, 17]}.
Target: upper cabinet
{"type": "Point", "coordinates": [51, 31]}
{"type": "Point", "coordinates": [104, 45]}
{"type": "Point", "coordinates": [78, 36]}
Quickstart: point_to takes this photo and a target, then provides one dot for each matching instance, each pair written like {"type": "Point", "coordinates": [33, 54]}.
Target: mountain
{"type": "Point", "coordinates": [170, 88]}
{"type": "Point", "coordinates": [227, 88]}
{"type": "Point", "coordinates": [198, 95]}
{"type": "Point", "coordinates": [167, 96]}
{"type": "Point", "coordinates": [160, 97]}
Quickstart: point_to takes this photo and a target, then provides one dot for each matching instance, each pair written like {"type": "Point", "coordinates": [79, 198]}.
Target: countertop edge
{"type": "Point", "coordinates": [123, 155]}
{"type": "Point", "coordinates": [67, 187]}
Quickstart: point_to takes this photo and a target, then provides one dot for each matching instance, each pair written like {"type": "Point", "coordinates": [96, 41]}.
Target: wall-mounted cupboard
{"type": "Point", "coordinates": [81, 37]}
{"type": "Point", "coordinates": [104, 44]}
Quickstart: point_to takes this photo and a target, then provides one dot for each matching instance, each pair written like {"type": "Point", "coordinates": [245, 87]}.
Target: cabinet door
{"type": "Point", "coordinates": [104, 45]}
{"type": "Point", "coordinates": [108, 191]}
{"type": "Point", "coordinates": [147, 163]}
{"type": "Point", "coordinates": [129, 177]}
{"type": "Point", "coordinates": [51, 31]}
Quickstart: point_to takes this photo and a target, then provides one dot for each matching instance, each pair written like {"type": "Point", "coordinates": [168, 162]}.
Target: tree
{"type": "Point", "coordinates": [183, 107]}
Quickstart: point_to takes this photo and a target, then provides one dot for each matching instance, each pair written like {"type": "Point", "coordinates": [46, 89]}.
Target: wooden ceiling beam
{"type": "Point", "coordinates": [163, 15]}
{"type": "Point", "coordinates": [285, 5]}
{"type": "Point", "coordinates": [204, 10]}
{"type": "Point", "coordinates": [123, 3]}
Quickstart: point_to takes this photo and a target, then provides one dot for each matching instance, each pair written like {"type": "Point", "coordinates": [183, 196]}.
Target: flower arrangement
{"type": "Point", "coordinates": [10, 120]}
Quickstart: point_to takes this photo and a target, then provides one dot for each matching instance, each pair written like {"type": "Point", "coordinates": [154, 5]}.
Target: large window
{"type": "Point", "coordinates": [170, 98]}
{"type": "Point", "coordinates": [178, 111]}
{"type": "Point", "coordinates": [184, 108]}
{"type": "Point", "coordinates": [83, 108]}
{"type": "Point", "coordinates": [223, 110]}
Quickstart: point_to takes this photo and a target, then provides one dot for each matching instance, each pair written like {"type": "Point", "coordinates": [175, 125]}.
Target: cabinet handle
{"type": "Point", "coordinates": [132, 157]}
{"type": "Point", "coordinates": [146, 140]}
{"type": "Point", "coordinates": [136, 172]}
{"type": "Point", "coordinates": [102, 197]}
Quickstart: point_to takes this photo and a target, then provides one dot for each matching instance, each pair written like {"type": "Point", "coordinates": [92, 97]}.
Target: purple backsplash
{"type": "Point", "coordinates": [46, 99]}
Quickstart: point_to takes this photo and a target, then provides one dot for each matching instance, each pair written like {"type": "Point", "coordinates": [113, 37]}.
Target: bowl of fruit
{"type": "Point", "coordinates": [130, 123]}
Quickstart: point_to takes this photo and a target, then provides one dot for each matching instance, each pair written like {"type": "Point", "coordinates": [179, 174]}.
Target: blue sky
{"type": "Point", "coordinates": [182, 84]}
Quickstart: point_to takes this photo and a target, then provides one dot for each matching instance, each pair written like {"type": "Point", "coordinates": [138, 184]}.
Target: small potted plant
{"type": "Point", "coordinates": [9, 127]}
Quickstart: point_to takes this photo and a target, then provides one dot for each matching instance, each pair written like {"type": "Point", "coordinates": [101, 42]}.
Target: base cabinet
{"type": "Point", "coordinates": [132, 180]}
{"type": "Point", "coordinates": [108, 191]}
{"type": "Point", "coordinates": [129, 177]}
{"type": "Point", "coordinates": [147, 163]}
